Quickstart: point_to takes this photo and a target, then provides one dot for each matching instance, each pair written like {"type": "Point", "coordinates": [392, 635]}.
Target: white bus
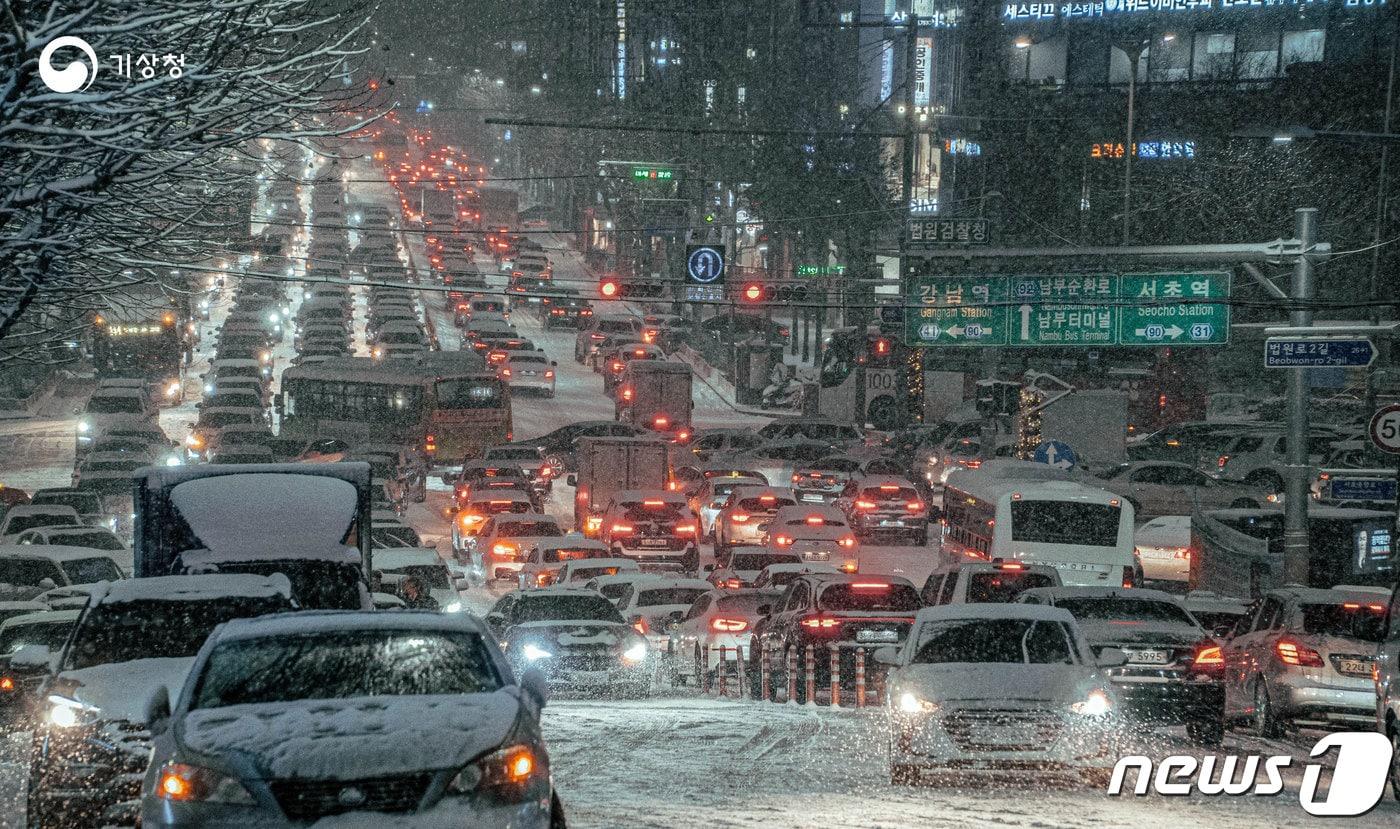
{"type": "Point", "coordinates": [1083, 532]}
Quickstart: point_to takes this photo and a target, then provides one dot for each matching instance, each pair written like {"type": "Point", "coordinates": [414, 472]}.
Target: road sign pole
{"type": "Point", "coordinates": [1295, 505]}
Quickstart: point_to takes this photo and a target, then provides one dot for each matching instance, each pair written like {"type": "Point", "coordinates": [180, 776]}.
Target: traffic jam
{"type": "Point", "coordinates": [402, 510]}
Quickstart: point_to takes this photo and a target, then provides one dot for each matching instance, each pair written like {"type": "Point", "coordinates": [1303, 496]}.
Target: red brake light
{"type": "Point", "coordinates": [505, 372]}
{"type": "Point", "coordinates": [1209, 656]}
{"type": "Point", "coordinates": [661, 421]}
{"type": "Point", "coordinates": [639, 624]}
{"type": "Point", "coordinates": [7, 684]}
{"type": "Point", "coordinates": [820, 625]}
{"type": "Point", "coordinates": [738, 518]}
{"type": "Point", "coordinates": [847, 541]}
{"type": "Point", "coordinates": [1221, 461]}
{"type": "Point", "coordinates": [815, 520]}
{"type": "Point", "coordinates": [721, 625]}
{"type": "Point", "coordinates": [621, 529]}
{"type": "Point", "coordinates": [889, 487]}
{"type": "Point", "coordinates": [733, 584]}
{"type": "Point", "coordinates": [783, 540]}
{"type": "Point", "coordinates": [796, 477]}
{"type": "Point", "coordinates": [863, 504]}
{"type": "Point", "coordinates": [1292, 653]}
{"type": "Point", "coordinates": [504, 550]}
{"type": "Point", "coordinates": [653, 502]}
{"type": "Point", "coordinates": [878, 586]}
{"type": "Point", "coordinates": [915, 506]}
{"type": "Point", "coordinates": [767, 499]}
{"type": "Point", "coordinates": [685, 529]}
{"type": "Point", "coordinates": [1010, 565]}
{"type": "Point", "coordinates": [549, 373]}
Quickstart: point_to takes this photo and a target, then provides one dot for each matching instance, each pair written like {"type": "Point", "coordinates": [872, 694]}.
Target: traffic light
{"type": "Point", "coordinates": [613, 287]}
{"type": "Point", "coordinates": [755, 292]}
{"type": "Point", "coordinates": [778, 292]}
{"type": "Point", "coordinates": [609, 288]}
{"type": "Point", "coordinates": [790, 292]}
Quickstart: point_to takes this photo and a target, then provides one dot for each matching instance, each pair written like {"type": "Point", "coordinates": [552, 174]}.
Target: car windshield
{"type": "Point", "coordinates": [528, 529]}
{"type": "Point", "coordinates": [1001, 587]}
{"type": "Point", "coordinates": [564, 608]}
{"type": "Point", "coordinates": [153, 629]}
{"type": "Point", "coordinates": [1014, 641]}
{"type": "Point", "coordinates": [889, 493]}
{"type": "Point", "coordinates": [1114, 609]}
{"type": "Point", "coordinates": [20, 523]}
{"type": "Point", "coordinates": [761, 504]}
{"type": "Point", "coordinates": [115, 404]}
{"type": "Point", "coordinates": [51, 635]}
{"type": "Point", "coordinates": [498, 506]}
{"type": "Point", "coordinates": [670, 595]}
{"type": "Point", "coordinates": [873, 596]}
{"type": "Point", "coordinates": [95, 540]}
{"type": "Point", "coordinates": [83, 503]}
{"type": "Point", "coordinates": [1064, 522]}
{"type": "Point", "coordinates": [662, 512]}
{"type": "Point", "coordinates": [382, 537]}
{"type": "Point", "coordinates": [345, 664]}
{"type": "Point", "coordinates": [91, 570]}
{"type": "Point", "coordinates": [757, 561]}
{"type": "Point", "coordinates": [1353, 620]}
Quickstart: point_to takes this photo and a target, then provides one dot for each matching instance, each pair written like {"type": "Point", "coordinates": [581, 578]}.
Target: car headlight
{"type": "Point", "coordinates": [913, 704]}
{"type": "Point", "coordinates": [173, 460]}
{"type": "Point", "coordinates": [534, 652]}
{"type": "Point", "coordinates": [1096, 704]}
{"type": "Point", "coordinates": [504, 773]}
{"type": "Point", "coordinates": [173, 389]}
{"type": "Point", "coordinates": [84, 426]}
{"type": "Point", "coordinates": [208, 388]}
{"type": "Point", "coordinates": [183, 782]}
{"type": "Point", "coordinates": [66, 712]}
{"type": "Point", "coordinates": [636, 653]}
{"type": "Point", "coordinates": [454, 607]}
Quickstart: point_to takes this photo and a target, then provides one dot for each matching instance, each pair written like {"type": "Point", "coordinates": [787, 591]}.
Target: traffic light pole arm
{"type": "Point", "coordinates": [1289, 249]}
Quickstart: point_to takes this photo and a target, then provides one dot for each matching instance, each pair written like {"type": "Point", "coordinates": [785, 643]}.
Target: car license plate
{"type": "Point", "coordinates": [652, 542]}
{"type": "Point", "coordinates": [588, 677]}
{"type": "Point", "coordinates": [1354, 667]}
{"type": "Point", "coordinates": [812, 496]}
{"type": "Point", "coordinates": [877, 636]}
{"type": "Point", "coordinates": [892, 522]}
{"type": "Point", "coordinates": [998, 735]}
{"type": "Point", "coordinates": [527, 373]}
{"type": "Point", "coordinates": [1146, 657]}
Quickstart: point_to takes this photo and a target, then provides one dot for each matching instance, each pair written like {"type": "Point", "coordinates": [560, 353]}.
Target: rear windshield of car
{"type": "Point", "coordinates": [665, 512]}
{"type": "Point", "coordinates": [103, 404]}
{"type": "Point", "coordinates": [394, 537]}
{"type": "Point", "coordinates": [560, 554]}
{"type": "Point", "coordinates": [834, 465]}
{"type": "Point", "coordinates": [344, 664]}
{"type": "Point", "coordinates": [670, 595]}
{"type": "Point", "coordinates": [83, 503]}
{"type": "Point", "coordinates": [1000, 588]}
{"type": "Point", "coordinates": [761, 505]}
{"type": "Point", "coordinates": [757, 561]}
{"type": "Point", "coordinates": [901, 494]}
{"type": "Point", "coordinates": [1064, 522]}
{"type": "Point", "coordinates": [431, 575]}
{"type": "Point", "coordinates": [871, 596]}
{"type": "Point", "coordinates": [49, 634]}
{"type": "Point", "coordinates": [1125, 610]}
{"type": "Point", "coordinates": [1014, 641]}
{"type": "Point", "coordinates": [90, 570]}
{"type": "Point", "coordinates": [1361, 621]}
{"type": "Point", "coordinates": [123, 632]}
{"type": "Point", "coordinates": [564, 608]}
{"type": "Point", "coordinates": [20, 523]}
{"type": "Point", "coordinates": [498, 507]}
{"type": "Point", "coordinates": [614, 326]}
{"type": "Point", "coordinates": [528, 529]}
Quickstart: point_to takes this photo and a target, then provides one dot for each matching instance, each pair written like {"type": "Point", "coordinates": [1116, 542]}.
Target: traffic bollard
{"type": "Point", "coordinates": [739, 673]}
{"type": "Point", "coordinates": [811, 670]}
{"type": "Point", "coordinates": [722, 671]}
{"type": "Point", "coordinates": [791, 673]}
{"type": "Point", "coordinates": [765, 672]}
{"type": "Point", "coordinates": [835, 678]}
{"type": "Point", "coordinates": [705, 670]}
{"type": "Point", "coordinates": [860, 677]}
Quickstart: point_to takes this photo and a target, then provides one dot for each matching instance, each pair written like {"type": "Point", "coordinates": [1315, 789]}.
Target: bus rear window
{"type": "Point", "coordinates": [1064, 522]}
{"type": "Point", "coordinates": [1002, 588]}
{"type": "Point", "coordinates": [474, 393]}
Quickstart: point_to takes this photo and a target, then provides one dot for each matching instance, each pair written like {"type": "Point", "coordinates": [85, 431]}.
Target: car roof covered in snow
{"type": "Point", "coordinates": [321, 621]}
{"type": "Point", "coordinates": [1037, 612]}
{"type": "Point", "coordinates": [54, 552]}
{"type": "Point", "coordinates": [40, 617]}
{"type": "Point", "coordinates": [391, 557]}
{"type": "Point", "coordinates": [653, 582]}
{"type": "Point", "coordinates": [1131, 594]}
{"type": "Point", "coordinates": [193, 588]}
{"type": "Point", "coordinates": [555, 592]}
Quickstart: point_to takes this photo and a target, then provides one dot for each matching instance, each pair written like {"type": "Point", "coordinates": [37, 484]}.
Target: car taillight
{"type": "Point", "coordinates": [915, 506]}
{"type": "Point", "coordinates": [738, 517]}
{"type": "Point", "coordinates": [685, 529]}
{"type": "Point", "coordinates": [847, 541]}
{"type": "Point", "coordinates": [504, 550]}
{"type": "Point", "coordinates": [1129, 577]}
{"type": "Point", "coordinates": [543, 579]}
{"type": "Point", "coordinates": [817, 624]}
{"type": "Point", "coordinates": [595, 336]}
{"type": "Point", "coordinates": [639, 624]}
{"type": "Point", "coordinates": [549, 374]}
{"type": "Point", "coordinates": [796, 478]}
{"type": "Point", "coordinates": [865, 504]}
{"type": "Point", "coordinates": [616, 366]}
{"type": "Point", "coordinates": [1209, 658]}
{"type": "Point", "coordinates": [546, 471]}
{"type": "Point", "coordinates": [682, 436]}
{"type": "Point", "coordinates": [7, 684]}
{"type": "Point", "coordinates": [470, 519]}
{"type": "Point", "coordinates": [721, 625]}
{"type": "Point", "coordinates": [783, 540]}
{"type": "Point", "coordinates": [661, 421]}
{"type": "Point", "coordinates": [1292, 653]}
{"type": "Point", "coordinates": [430, 443]}
{"type": "Point", "coordinates": [1221, 461]}
{"type": "Point", "coordinates": [621, 529]}
{"type": "Point", "coordinates": [733, 584]}
{"type": "Point", "coordinates": [505, 372]}
{"type": "Point", "coordinates": [627, 393]}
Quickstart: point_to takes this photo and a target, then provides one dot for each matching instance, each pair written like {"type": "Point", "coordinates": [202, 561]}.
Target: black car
{"type": "Point", "coordinates": [1175, 671]}
{"type": "Point", "coordinates": [564, 308]}
{"type": "Point", "coordinates": [559, 446]}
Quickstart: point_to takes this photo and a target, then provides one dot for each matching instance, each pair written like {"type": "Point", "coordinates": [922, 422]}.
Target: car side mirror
{"type": "Point", "coordinates": [1112, 658]}
{"type": "Point", "coordinates": [533, 683]}
{"type": "Point", "coordinates": [554, 363]}
{"type": "Point", "coordinates": [495, 619]}
{"type": "Point", "coordinates": [33, 657]}
{"type": "Point", "coordinates": [887, 655]}
{"type": "Point", "coordinates": [764, 609]}
{"type": "Point", "coordinates": [158, 711]}
{"type": "Point", "coordinates": [572, 480]}
{"type": "Point", "coordinates": [46, 583]}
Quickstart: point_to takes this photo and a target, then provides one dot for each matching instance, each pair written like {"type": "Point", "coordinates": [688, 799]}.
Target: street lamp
{"type": "Point", "coordinates": [1134, 50]}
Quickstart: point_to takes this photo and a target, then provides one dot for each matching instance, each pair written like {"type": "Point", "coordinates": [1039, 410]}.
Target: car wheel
{"type": "Point", "coordinates": [1266, 723]}
{"type": "Point", "coordinates": [1267, 480]}
{"type": "Point", "coordinates": [904, 774]}
{"type": "Point", "coordinates": [556, 813]}
{"type": "Point", "coordinates": [1206, 732]}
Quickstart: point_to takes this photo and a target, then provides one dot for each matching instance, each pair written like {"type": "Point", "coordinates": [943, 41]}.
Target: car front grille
{"type": "Point", "coordinates": [1002, 729]}
{"type": "Point", "coordinates": [310, 799]}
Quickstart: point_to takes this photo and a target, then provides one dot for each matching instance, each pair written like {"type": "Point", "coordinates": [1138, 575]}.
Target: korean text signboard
{"type": "Point", "coordinates": [1074, 309]}
{"type": "Point", "coordinates": [944, 232]}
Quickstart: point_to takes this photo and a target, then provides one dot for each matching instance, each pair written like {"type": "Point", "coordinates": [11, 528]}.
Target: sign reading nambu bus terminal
{"type": "Point", "coordinates": [1072, 309]}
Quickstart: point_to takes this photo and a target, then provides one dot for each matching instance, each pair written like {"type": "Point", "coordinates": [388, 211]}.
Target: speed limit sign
{"type": "Point", "coordinates": [1385, 429]}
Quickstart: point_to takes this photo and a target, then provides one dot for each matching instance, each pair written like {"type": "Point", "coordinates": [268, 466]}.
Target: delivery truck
{"type": "Point", "coordinates": [610, 465]}
{"type": "Point", "coordinates": [656, 395]}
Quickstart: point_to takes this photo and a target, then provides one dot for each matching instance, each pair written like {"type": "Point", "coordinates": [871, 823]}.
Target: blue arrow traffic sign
{"type": "Point", "coordinates": [1305, 352]}
{"type": "Point", "coordinates": [1056, 453]}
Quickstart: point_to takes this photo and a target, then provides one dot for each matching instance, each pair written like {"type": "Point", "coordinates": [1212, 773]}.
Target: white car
{"type": "Point", "coordinates": [778, 575]}
{"type": "Point", "coordinates": [745, 565]}
{"type": "Point", "coordinates": [1163, 545]}
{"type": "Point", "coordinates": [651, 604]}
{"type": "Point", "coordinates": [22, 517]}
{"type": "Point", "coordinates": [550, 557]}
{"type": "Point", "coordinates": [423, 564]}
{"type": "Point", "coordinates": [614, 585]}
{"type": "Point", "coordinates": [506, 540]}
{"type": "Point", "coordinates": [447, 735]}
{"type": "Point", "coordinates": [817, 533]}
{"type": "Point", "coordinates": [948, 700]}
{"type": "Point", "coordinates": [718, 619]}
{"type": "Point", "coordinates": [529, 371]}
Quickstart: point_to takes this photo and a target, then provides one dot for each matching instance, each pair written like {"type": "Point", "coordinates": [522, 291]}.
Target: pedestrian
{"type": "Point", "coordinates": [415, 596]}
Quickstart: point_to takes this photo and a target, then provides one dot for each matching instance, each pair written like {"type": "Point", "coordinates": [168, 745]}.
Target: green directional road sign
{"type": "Point", "coordinates": [1064, 309]}
{"type": "Point", "coordinates": [1147, 320]}
{"type": "Point", "coordinates": [959, 310]}
{"type": "Point", "coordinates": [1070, 309]}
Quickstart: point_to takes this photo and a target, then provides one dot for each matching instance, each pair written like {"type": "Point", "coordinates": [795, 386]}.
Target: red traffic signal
{"type": "Point", "coordinates": [609, 288]}
{"type": "Point", "coordinates": [753, 292]}
{"type": "Point", "coordinates": [881, 347]}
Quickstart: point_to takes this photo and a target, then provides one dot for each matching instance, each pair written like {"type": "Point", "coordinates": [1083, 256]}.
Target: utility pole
{"type": "Point", "coordinates": [911, 56]}
{"type": "Point", "coordinates": [1382, 188]}
{"type": "Point", "coordinates": [1295, 504]}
